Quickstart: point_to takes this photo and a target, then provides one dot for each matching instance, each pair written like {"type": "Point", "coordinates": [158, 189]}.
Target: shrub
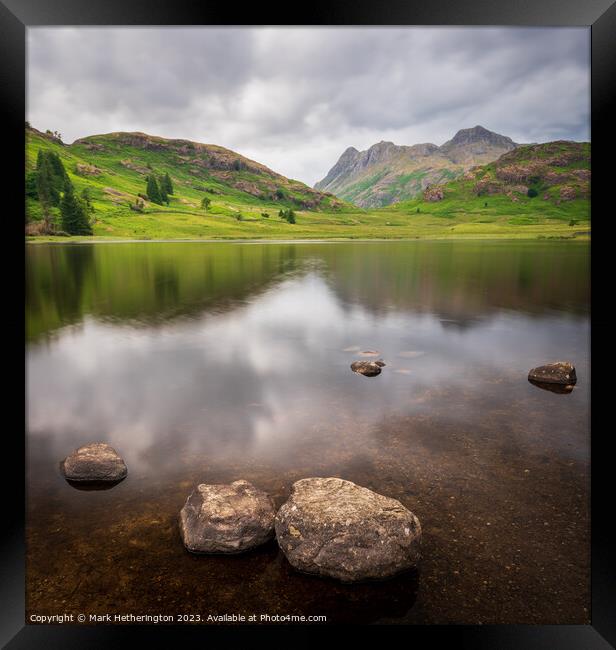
{"type": "Point", "coordinates": [288, 215]}
{"type": "Point", "coordinates": [532, 193]}
{"type": "Point", "coordinates": [137, 206]}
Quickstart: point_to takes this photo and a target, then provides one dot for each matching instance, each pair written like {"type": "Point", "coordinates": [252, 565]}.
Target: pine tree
{"type": "Point", "coordinates": [48, 195]}
{"type": "Point", "coordinates": [153, 191]}
{"type": "Point", "coordinates": [74, 214]}
{"type": "Point", "coordinates": [163, 193]}
{"type": "Point", "coordinates": [32, 185]}
{"type": "Point", "coordinates": [39, 160]}
{"type": "Point", "coordinates": [52, 178]}
{"type": "Point", "coordinates": [86, 197]}
{"type": "Point", "coordinates": [205, 203]}
{"type": "Point", "coordinates": [166, 183]}
{"type": "Point", "coordinates": [60, 177]}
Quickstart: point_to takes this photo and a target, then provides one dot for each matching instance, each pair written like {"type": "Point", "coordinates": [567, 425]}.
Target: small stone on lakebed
{"type": "Point", "coordinates": [335, 528]}
{"type": "Point", "coordinates": [226, 518]}
{"type": "Point", "coordinates": [561, 372]}
{"type": "Point", "coordinates": [367, 368]}
{"type": "Point", "coordinates": [94, 463]}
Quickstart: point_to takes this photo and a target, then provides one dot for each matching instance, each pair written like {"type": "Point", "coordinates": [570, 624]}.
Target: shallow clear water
{"type": "Point", "coordinates": [214, 362]}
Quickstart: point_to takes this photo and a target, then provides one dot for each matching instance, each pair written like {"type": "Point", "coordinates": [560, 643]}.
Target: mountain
{"type": "Point", "coordinates": [387, 173]}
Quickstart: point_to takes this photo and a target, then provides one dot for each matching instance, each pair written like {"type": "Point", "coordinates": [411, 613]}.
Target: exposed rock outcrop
{"type": "Point", "coordinates": [83, 169]}
{"type": "Point", "coordinates": [434, 193]}
{"type": "Point", "coordinates": [567, 193]}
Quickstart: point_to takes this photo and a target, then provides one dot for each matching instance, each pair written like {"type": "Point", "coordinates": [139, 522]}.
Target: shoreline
{"type": "Point", "coordinates": [584, 238]}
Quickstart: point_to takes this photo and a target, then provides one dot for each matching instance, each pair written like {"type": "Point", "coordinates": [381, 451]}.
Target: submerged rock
{"type": "Point", "coordinates": [94, 463]}
{"type": "Point", "coordinates": [332, 527]}
{"type": "Point", "coordinates": [367, 368]}
{"type": "Point", "coordinates": [561, 372]}
{"type": "Point", "coordinates": [226, 518]}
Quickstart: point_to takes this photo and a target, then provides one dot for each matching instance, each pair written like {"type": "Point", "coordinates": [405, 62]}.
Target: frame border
{"type": "Point", "coordinates": [599, 15]}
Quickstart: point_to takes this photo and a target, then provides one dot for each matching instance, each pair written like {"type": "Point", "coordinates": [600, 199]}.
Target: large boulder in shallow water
{"type": "Point", "coordinates": [367, 368]}
{"type": "Point", "coordinates": [561, 372]}
{"type": "Point", "coordinates": [332, 527]}
{"type": "Point", "coordinates": [226, 518]}
{"type": "Point", "coordinates": [94, 463]}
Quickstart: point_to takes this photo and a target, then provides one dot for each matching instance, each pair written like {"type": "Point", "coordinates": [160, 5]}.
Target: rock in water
{"type": "Point", "coordinates": [561, 372]}
{"type": "Point", "coordinates": [367, 368]}
{"type": "Point", "coordinates": [226, 518]}
{"type": "Point", "coordinates": [332, 527]}
{"type": "Point", "coordinates": [94, 463]}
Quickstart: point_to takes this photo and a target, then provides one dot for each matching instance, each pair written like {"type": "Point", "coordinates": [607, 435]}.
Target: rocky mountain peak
{"type": "Point", "coordinates": [479, 134]}
{"type": "Point", "coordinates": [349, 154]}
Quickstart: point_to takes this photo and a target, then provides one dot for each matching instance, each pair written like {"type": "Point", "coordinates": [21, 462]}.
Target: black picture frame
{"type": "Point", "coordinates": [599, 15]}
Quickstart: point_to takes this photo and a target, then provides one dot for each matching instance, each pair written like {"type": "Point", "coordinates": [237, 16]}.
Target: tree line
{"type": "Point", "coordinates": [50, 185]}
{"type": "Point", "coordinates": [159, 189]}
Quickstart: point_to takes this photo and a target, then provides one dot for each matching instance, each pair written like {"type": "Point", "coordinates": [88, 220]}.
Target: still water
{"type": "Point", "coordinates": [216, 362]}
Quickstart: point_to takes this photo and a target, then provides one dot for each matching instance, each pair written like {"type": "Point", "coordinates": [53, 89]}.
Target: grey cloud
{"type": "Point", "coordinates": [295, 98]}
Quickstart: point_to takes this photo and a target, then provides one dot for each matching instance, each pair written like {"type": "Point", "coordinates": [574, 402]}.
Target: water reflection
{"type": "Point", "coordinates": [93, 486]}
{"type": "Point", "coordinates": [152, 283]}
{"type": "Point", "coordinates": [211, 363]}
{"type": "Point", "coordinates": [559, 389]}
{"type": "Point", "coordinates": [257, 376]}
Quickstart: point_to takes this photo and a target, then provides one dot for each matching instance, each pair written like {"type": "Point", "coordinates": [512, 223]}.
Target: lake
{"type": "Point", "coordinates": [212, 362]}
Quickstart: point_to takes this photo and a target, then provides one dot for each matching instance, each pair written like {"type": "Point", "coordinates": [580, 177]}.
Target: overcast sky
{"type": "Point", "coordinates": [296, 98]}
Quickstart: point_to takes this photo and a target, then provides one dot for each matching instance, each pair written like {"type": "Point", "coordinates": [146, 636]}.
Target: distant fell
{"type": "Point", "coordinates": [387, 173]}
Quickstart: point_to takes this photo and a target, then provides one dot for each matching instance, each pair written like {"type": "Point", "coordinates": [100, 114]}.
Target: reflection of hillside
{"type": "Point", "coordinates": [149, 284]}
{"type": "Point", "coordinates": [145, 284]}
{"type": "Point", "coordinates": [461, 283]}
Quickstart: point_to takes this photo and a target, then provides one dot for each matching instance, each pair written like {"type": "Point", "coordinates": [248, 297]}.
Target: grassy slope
{"type": "Point", "coordinates": [460, 214]}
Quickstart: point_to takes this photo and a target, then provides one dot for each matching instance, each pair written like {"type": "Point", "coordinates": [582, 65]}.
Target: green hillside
{"type": "Point", "coordinates": [536, 187]}
{"type": "Point", "coordinates": [246, 198]}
